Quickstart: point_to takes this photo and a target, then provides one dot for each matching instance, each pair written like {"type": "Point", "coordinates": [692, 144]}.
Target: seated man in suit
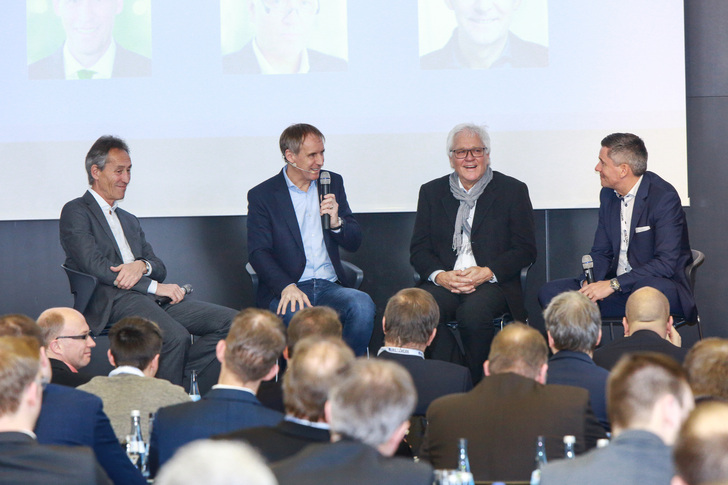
{"type": "Point", "coordinates": [105, 241]}
{"type": "Point", "coordinates": [574, 328]}
{"type": "Point", "coordinates": [642, 236]}
{"type": "Point", "coordinates": [473, 234]}
{"type": "Point", "coordinates": [69, 345]}
{"type": "Point", "coordinates": [648, 399]}
{"type": "Point", "coordinates": [368, 411]}
{"type": "Point", "coordinates": [248, 356]}
{"type": "Point", "coordinates": [707, 366]}
{"type": "Point", "coordinates": [22, 459]}
{"type": "Point", "coordinates": [647, 327]}
{"type": "Point", "coordinates": [296, 257]}
{"type": "Point", "coordinates": [71, 417]}
{"type": "Point", "coordinates": [410, 324]}
{"type": "Point", "coordinates": [701, 450]}
{"type": "Point", "coordinates": [318, 365]}
{"type": "Point", "coordinates": [134, 346]}
{"type": "Point", "coordinates": [503, 416]}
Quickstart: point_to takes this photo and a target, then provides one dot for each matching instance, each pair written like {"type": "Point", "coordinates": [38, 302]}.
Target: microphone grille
{"type": "Point", "coordinates": [587, 262]}
{"type": "Point", "coordinates": [325, 178]}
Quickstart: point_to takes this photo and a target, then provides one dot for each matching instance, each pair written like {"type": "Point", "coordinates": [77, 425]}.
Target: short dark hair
{"type": "Point", "coordinates": [135, 341]}
{"type": "Point", "coordinates": [410, 317]}
{"type": "Point", "coordinates": [254, 343]}
{"type": "Point", "coordinates": [292, 137]}
{"type": "Point", "coordinates": [321, 321]}
{"type": "Point", "coordinates": [631, 147]}
{"type": "Point", "coordinates": [573, 321]}
{"type": "Point", "coordinates": [518, 348]}
{"type": "Point", "coordinates": [18, 325]}
{"type": "Point", "coordinates": [99, 153]}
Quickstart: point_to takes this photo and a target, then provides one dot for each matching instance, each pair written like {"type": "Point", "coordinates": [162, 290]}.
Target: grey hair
{"type": "Point", "coordinates": [470, 128]}
{"type": "Point", "coordinates": [573, 321]}
{"type": "Point", "coordinates": [631, 147]}
{"type": "Point", "coordinates": [99, 153]}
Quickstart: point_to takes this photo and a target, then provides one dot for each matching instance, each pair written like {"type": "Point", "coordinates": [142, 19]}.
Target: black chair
{"type": "Point", "coordinates": [352, 271]}
{"type": "Point", "coordinates": [82, 287]}
{"type": "Point", "coordinates": [678, 320]}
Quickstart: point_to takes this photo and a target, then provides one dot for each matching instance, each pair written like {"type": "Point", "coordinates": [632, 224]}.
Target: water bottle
{"type": "Point", "coordinates": [569, 441]}
{"type": "Point", "coordinates": [136, 448]}
{"type": "Point", "coordinates": [540, 461]}
{"type": "Point", "coordinates": [464, 462]}
{"type": "Point", "coordinates": [194, 389]}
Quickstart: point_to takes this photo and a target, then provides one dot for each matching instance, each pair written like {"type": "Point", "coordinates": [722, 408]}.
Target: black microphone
{"type": "Point", "coordinates": [588, 266]}
{"type": "Point", "coordinates": [325, 184]}
{"type": "Point", "coordinates": [165, 300]}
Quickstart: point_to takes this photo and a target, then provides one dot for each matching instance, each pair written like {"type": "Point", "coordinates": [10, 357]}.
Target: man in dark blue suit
{"type": "Point", "coordinates": [248, 356]}
{"type": "Point", "coordinates": [642, 236]}
{"type": "Point", "coordinates": [297, 271]}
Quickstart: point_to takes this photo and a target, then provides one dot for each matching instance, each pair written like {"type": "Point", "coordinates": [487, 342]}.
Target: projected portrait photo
{"type": "Point", "coordinates": [283, 36]}
{"type": "Point", "coordinates": [483, 34]}
{"type": "Point", "coordinates": [89, 39]}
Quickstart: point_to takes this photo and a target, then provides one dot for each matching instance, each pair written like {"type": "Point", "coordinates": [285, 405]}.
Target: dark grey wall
{"type": "Point", "coordinates": [210, 252]}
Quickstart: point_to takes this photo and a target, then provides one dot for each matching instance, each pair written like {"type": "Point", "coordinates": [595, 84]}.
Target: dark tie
{"type": "Point", "coordinates": [85, 74]}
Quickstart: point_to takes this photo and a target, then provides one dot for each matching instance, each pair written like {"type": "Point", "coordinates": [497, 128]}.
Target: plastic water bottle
{"type": "Point", "coordinates": [569, 441]}
{"type": "Point", "coordinates": [464, 462]}
{"type": "Point", "coordinates": [136, 448]}
{"type": "Point", "coordinates": [540, 461]}
{"type": "Point", "coordinates": [194, 389]}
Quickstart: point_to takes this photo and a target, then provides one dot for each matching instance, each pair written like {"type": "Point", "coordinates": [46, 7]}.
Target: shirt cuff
{"type": "Point", "coordinates": [152, 287]}
{"type": "Point", "coordinates": [493, 279]}
{"type": "Point", "coordinates": [434, 275]}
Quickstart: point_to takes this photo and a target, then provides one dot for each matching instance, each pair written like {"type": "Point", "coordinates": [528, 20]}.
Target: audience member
{"type": "Point", "coordinates": [248, 356]}
{"type": "Point", "coordinates": [69, 344]}
{"type": "Point", "coordinates": [134, 346]}
{"type": "Point", "coordinates": [368, 411]}
{"type": "Point", "coordinates": [707, 366]}
{"type": "Point", "coordinates": [505, 413]}
{"type": "Point", "coordinates": [647, 327]}
{"type": "Point", "coordinates": [701, 449]}
{"type": "Point", "coordinates": [574, 328]}
{"type": "Point", "coordinates": [410, 324]}
{"type": "Point", "coordinates": [648, 398]}
{"type": "Point", "coordinates": [319, 364]}
{"type": "Point", "coordinates": [22, 459]}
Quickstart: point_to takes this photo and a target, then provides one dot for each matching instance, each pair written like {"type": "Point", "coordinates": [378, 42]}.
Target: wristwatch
{"type": "Point", "coordinates": [614, 284]}
{"type": "Point", "coordinates": [341, 224]}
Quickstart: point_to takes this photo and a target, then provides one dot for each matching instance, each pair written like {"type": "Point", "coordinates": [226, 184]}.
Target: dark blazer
{"type": "Point", "coordinates": [71, 417]}
{"type": "Point", "coordinates": [275, 246]}
{"type": "Point", "coordinates": [126, 64]}
{"type": "Point", "coordinates": [502, 418]}
{"type": "Point", "coordinates": [23, 460]}
{"type": "Point", "coordinates": [270, 394]}
{"type": "Point", "coordinates": [245, 62]}
{"type": "Point", "coordinates": [278, 442]}
{"type": "Point", "coordinates": [640, 341]}
{"type": "Point", "coordinates": [219, 411]}
{"type": "Point", "coordinates": [518, 53]}
{"type": "Point", "coordinates": [578, 369]}
{"type": "Point", "coordinates": [502, 234]}
{"type": "Point", "coordinates": [352, 463]}
{"type": "Point", "coordinates": [433, 378]}
{"type": "Point", "coordinates": [63, 375]}
{"type": "Point", "coordinates": [660, 249]}
{"type": "Point", "coordinates": [90, 247]}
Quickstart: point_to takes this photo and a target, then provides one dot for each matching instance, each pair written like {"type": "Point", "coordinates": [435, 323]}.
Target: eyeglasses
{"type": "Point", "coordinates": [461, 153]}
{"type": "Point", "coordinates": [307, 7]}
{"type": "Point", "coordinates": [83, 336]}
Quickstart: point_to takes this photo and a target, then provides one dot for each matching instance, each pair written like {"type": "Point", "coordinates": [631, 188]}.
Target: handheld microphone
{"type": "Point", "coordinates": [588, 266]}
{"type": "Point", "coordinates": [165, 300]}
{"type": "Point", "coordinates": [325, 185]}
{"type": "Point", "coordinates": [293, 164]}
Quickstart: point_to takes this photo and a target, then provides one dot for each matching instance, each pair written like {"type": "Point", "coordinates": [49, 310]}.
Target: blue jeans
{"type": "Point", "coordinates": [355, 308]}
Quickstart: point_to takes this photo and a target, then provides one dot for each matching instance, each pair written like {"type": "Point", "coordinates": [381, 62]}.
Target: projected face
{"type": "Point", "coordinates": [484, 21]}
{"type": "Point", "coordinates": [610, 172]}
{"type": "Point", "coordinates": [89, 26]}
{"type": "Point", "coordinates": [282, 27]}
{"type": "Point", "coordinates": [110, 183]}
{"type": "Point", "coordinates": [471, 168]}
{"type": "Point", "coordinates": [309, 157]}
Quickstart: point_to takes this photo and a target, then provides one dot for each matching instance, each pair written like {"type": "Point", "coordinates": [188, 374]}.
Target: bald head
{"type": "Point", "coordinates": [647, 308]}
{"type": "Point", "coordinates": [67, 336]}
{"type": "Point", "coordinates": [520, 349]}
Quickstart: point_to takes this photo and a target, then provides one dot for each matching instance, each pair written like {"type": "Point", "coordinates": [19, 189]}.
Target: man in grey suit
{"type": "Point", "coordinates": [103, 240]}
{"type": "Point", "coordinates": [648, 398]}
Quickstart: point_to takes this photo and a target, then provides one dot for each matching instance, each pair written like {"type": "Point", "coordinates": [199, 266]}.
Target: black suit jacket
{"type": "Point", "coordinates": [278, 442]}
{"type": "Point", "coordinates": [502, 418]}
{"type": "Point", "coordinates": [90, 247]}
{"type": "Point", "coordinates": [126, 64]}
{"type": "Point", "coordinates": [519, 53]}
{"type": "Point", "coordinates": [502, 235]}
{"type": "Point", "coordinates": [275, 246]}
{"type": "Point", "coordinates": [433, 378]}
{"type": "Point", "coordinates": [245, 62]}
{"type": "Point", "coordinates": [64, 376]}
{"type": "Point", "coordinates": [352, 463]}
{"type": "Point", "coordinates": [640, 341]}
{"type": "Point", "coordinates": [23, 460]}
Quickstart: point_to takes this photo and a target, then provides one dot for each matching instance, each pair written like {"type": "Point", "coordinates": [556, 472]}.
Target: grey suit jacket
{"type": "Point", "coordinates": [90, 247]}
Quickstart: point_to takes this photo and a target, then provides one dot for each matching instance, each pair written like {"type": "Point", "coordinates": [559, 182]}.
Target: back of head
{"type": "Point", "coordinates": [573, 321]}
{"type": "Point", "coordinates": [410, 317]}
{"type": "Point", "coordinates": [253, 344]}
{"type": "Point", "coordinates": [19, 366]}
{"type": "Point", "coordinates": [637, 382]}
{"type": "Point", "coordinates": [629, 149]}
{"type": "Point", "coordinates": [319, 363]}
{"type": "Point", "coordinates": [518, 348]}
{"type": "Point", "coordinates": [372, 401]}
{"type": "Point", "coordinates": [17, 325]}
{"type": "Point", "coordinates": [647, 308]}
{"type": "Point", "coordinates": [135, 341]}
{"type": "Point", "coordinates": [292, 137]}
{"type": "Point", "coordinates": [99, 151]}
{"type": "Point", "coordinates": [701, 449]}
{"type": "Point", "coordinates": [215, 463]}
{"type": "Point", "coordinates": [707, 366]}
{"type": "Point", "coordinates": [319, 321]}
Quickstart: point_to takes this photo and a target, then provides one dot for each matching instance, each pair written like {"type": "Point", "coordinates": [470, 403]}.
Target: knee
{"type": "Point", "coordinates": [362, 306]}
{"type": "Point", "coordinates": [176, 338]}
{"type": "Point", "coordinates": [553, 288]}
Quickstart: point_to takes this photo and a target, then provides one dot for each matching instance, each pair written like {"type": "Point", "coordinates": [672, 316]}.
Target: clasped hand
{"type": "Point", "coordinates": [464, 281]}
